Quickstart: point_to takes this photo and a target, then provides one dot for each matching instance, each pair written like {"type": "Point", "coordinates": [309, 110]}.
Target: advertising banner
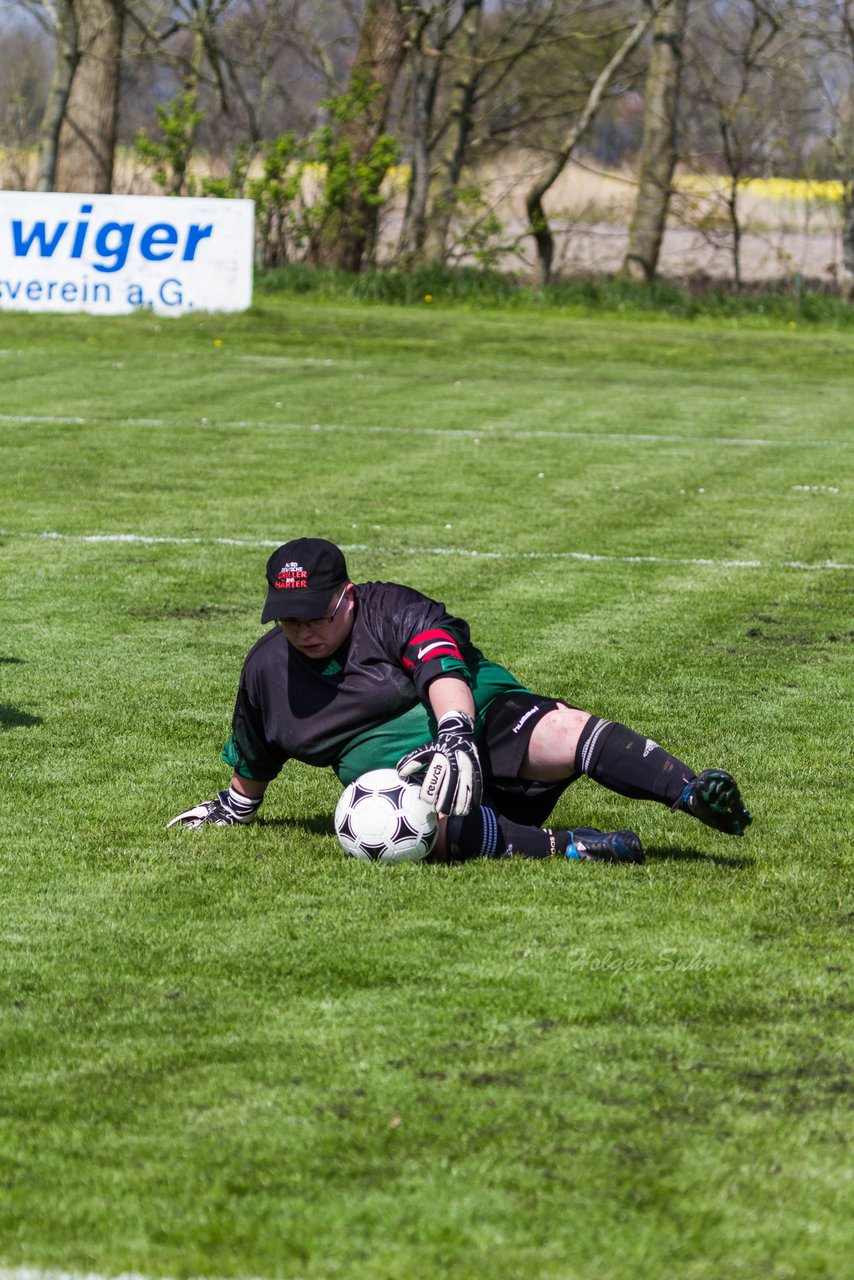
{"type": "Point", "coordinates": [109, 255]}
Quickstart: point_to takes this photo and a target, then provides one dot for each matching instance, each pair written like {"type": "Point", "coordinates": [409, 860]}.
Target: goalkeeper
{"type": "Point", "coordinates": [377, 675]}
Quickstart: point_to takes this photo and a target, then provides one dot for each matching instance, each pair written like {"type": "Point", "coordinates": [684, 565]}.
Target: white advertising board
{"type": "Point", "coordinates": [113, 254]}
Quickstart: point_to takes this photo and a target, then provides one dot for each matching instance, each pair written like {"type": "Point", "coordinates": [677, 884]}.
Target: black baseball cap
{"type": "Point", "coordinates": [301, 577]}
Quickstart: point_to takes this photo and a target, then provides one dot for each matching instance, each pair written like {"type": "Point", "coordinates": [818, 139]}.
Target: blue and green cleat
{"type": "Point", "coordinates": [713, 797]}
{"type": "Point", "coordinates": [589, 844]}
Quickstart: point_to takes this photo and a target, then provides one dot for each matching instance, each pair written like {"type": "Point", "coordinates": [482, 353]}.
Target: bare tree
{"type": "Point", "coordinates": [829, 27]}
{"type": "Point", "coordinates": [227, 75]}
{"type": "Point", "coordinates": [428, 35]}
{"type": "Point", "coordinates": [468, 70]}
{"type": "Point", "coordinates": [846, 150]}
{"type": "Point", "coordinates": [57, 17]}
{"type": "Point", "coordinates": [744, 100]}
{"type": "Point", "coordinates": [198, 59]}
{"type": "Point", "coordinates": [372, 81]}
{"type": "Point", "coordinates": [537, 218]}
{"type": "Point", "coordinates": [279, 60]}
{"type": "Point", "coordinates": [442, 41]}
{"type": "Point", "coordinates": [658, 151]}
{"type": "Point", "coordinates": [485, 78]}
{"type": "Point", "coordinates": [87, 134]}
{"type": "Point", "coordinates": [24, 81]}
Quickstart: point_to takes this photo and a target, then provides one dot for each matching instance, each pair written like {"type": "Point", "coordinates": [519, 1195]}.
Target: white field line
{"type": "Point", "coordinates": [51, 1273]}
{"type": "Point", "coordinates": [219, 357]}
{"type": "Point", "coordinates": [473, 433]}
{"type": "Point", "coordinates": [589, 557]}
{"type": "Point", "coordinates": [300, 360]}
{"type": "Point", "coordinates": [54, 1273]}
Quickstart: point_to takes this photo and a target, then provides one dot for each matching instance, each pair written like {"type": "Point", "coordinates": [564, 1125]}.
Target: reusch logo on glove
{"type": "Point", "coordinates": [432, 784]}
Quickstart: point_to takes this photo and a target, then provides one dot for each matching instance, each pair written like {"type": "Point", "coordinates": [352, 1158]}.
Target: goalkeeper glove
{"type": "Point", "coordinates": [453, 778]}
{"type": "Point", "coordinates": [227, 810]}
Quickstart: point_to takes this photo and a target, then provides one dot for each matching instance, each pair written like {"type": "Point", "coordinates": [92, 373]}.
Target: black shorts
{"type": "Point", "coordinates": [509, 722]}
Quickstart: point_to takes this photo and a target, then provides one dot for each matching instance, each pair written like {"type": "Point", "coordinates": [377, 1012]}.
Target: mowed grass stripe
{"type": "Point", "coordinates": [463, 552]}
{"type": "Point", "coordinates": [472, 433]}
{"type": "Point", "coordinates": [460, 370]}
{"type": "Point", "coordinates": [543, 496]}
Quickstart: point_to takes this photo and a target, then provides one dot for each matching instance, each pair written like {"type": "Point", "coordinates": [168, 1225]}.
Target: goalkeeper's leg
{"type": "Point", "coordinates": [569, 742]}
{"type": "Point", "coordinates": [486, 833]}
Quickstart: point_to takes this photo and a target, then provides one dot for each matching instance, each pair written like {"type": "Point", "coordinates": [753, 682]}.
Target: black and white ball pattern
{"type": "Point", "coordinates": [382, 818]}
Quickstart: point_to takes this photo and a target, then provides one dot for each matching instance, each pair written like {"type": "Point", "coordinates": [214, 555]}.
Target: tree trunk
{"type": "Point", "coordinates": [537, 218]}
{"type": "Point", "coordinates": [731, 201]}
{"type": "Point", "coordinates": [422, 91]}
{"type": "Point", "coordinates": [378, 62]}
{"type": "Point", "coordinates": [847, 168]}
{"type": "Point", "coordinates": [191, 116]}
{"type": "Point", "coordinates": [67, 57]}
{"type": "Point", "coordinates": [87, 137]}
{"type": "Point", "coordinates": [846, 171]}
{"type": "Point", "coordinates": [459, 130]}
{"type": "Point", "coordinates": [658, 151]}
{"type": "Point", "coordinates": [848, 241]}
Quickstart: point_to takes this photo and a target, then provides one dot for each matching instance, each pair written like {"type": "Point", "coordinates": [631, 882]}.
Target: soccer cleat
{"type": "Point", "coordinates": [714, 798]}
{"type": "Point", "coordinates": [589, 844]}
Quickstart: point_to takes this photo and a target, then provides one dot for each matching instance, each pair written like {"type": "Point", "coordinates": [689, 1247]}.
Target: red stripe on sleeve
{"type": "Point", "coordinates": [428, 645]}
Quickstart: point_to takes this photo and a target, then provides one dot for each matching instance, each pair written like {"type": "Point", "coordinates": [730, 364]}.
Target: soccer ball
{"type": "Point", "coordinates": [382, 818]}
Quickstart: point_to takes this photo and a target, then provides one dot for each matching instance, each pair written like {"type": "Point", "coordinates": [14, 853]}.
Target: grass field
{"type": "Point", "coordinates": [234, 1053]}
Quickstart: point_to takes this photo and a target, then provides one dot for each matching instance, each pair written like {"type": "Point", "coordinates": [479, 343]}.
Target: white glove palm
{"type": "Point", "coordinates": [453, 778]}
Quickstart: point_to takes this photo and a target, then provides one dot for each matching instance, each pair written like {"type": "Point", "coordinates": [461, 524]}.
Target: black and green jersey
{"type": "Point", "coordinates": [364, 707]}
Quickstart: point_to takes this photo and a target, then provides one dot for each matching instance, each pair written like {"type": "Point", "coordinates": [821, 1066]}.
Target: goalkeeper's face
{"type": "Point", "coordinates": [320, 637]}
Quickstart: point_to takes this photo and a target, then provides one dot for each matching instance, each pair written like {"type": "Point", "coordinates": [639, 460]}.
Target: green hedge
{"type": "Point", "coordinates": [787, 302]}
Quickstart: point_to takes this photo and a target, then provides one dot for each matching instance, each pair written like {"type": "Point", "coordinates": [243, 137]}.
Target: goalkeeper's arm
{"type": "Point", "coordinates": [453, 781]}
{"type": "Point", "coordinates": [449, 693]}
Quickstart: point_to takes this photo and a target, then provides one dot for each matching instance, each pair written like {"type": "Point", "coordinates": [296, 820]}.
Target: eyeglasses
{"type": "Point", "coordinates": [313, 623]}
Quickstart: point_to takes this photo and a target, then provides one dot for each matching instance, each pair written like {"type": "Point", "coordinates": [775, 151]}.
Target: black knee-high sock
{"type": "Point", "coordinates": [629, 763]}
{"type": "Point", "coordinates": [483, 833]}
